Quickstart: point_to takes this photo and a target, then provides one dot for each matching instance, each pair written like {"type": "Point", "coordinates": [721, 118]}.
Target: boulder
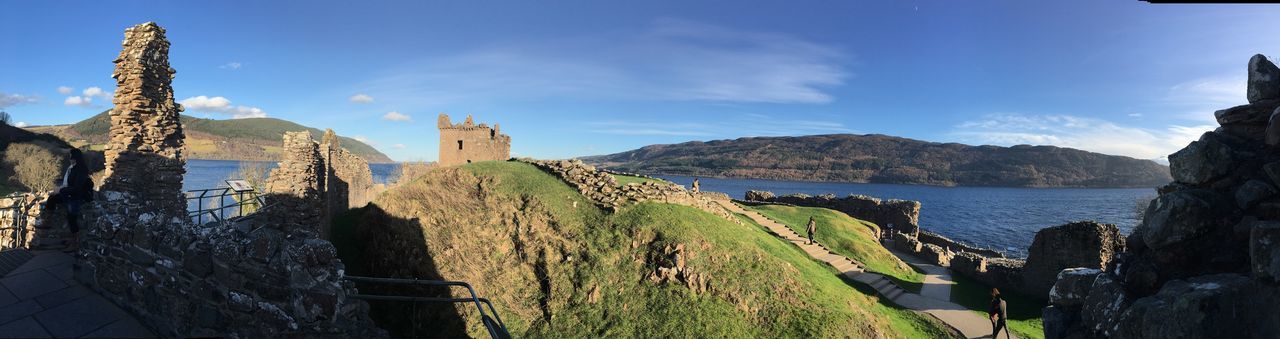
{"type": "Point", "coordinates": [969, 263]}
{"type": "Point", "coordinates": [1085, 244]}
{"type": "Point", "coordinates": [1201, 161]}
{"type": "Point", "coordinates": [754, 195]}
{"type": "Point", "coordinates": [1102, 307]}
{"type": "Point", "coordinates": [1060, 322]}
{"type": "Point", "coordinates": [1252, 192]}
{"type": "Point", "coordinates": [1264, 79]}
{"type": "Point", "coordinates": [1073, 286]}
{"type": "Point", "coordinates": [1252, 114]}
{"type": "Point", "coordinates": [1211, 306]}
{"type": "Point", "coordinates": [1176, 217]}
{"type": "Point", "coordinates": [1264, 250]}
{"type": "Point", "coordinates": [905, 242]}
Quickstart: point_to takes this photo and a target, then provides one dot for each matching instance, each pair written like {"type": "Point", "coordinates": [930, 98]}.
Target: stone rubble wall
{"type": "Point", "coordinates": [296, 188]}
{"type": "Point", "coordinates": [1205, 262]}
{"type": "Point", "coordinates": [898, 215]}
{"type": "Point", "coordinates": [479, 142]}
{"type": "Point", "coordinates": [257, 278]}
{"type": "Point", "coordinates": [350, 181]}
{"type": "Point", "coordinates": [601, 188]}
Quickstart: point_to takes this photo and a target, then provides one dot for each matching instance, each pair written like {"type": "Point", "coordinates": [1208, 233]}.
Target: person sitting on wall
{"type": "Point", "coordinates": [75, 189]}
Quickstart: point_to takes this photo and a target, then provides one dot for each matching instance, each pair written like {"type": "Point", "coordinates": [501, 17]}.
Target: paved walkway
{"type": "Point", "coordinates": [968, 323]}
{"type": "Point", "coordinates": [937, 279]}
{"type": "Point", "coordinates": [40, 299]}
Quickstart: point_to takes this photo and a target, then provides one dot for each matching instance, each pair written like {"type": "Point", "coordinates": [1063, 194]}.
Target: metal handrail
{"type": "Point", "coordinates": [496, 331]}
{"type": "Point", "coordinates": [221, 193]}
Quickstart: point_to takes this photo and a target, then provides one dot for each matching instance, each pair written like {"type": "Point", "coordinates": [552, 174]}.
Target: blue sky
{"type": "Point", "coordinates": [574, 78]}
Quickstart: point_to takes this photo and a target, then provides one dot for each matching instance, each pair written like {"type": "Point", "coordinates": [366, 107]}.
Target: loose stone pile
{"type": "Point", "coordinates": [1205, 261]}
{"type": "Point", "coordinates": [259, 279]}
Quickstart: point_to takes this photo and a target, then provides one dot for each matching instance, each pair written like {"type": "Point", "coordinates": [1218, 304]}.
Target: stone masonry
{"type": "Point", "coordinates": [467, 142]}
{"type": "Point", "coordinates": [601, 188]}
{"type": "Point", "coordinates": [257, 278]}
{"type": "Point", "coordinates": [295, 189]}
{"type": "Point", "coordinates": [144, 156]}
{"type": "Point", "coordinates": [349, 179]}
{"type": "Point", "coordinates": [1205, 262]}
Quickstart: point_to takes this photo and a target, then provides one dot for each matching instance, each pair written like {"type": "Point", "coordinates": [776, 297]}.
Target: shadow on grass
{"type": "Point", "coordinates": [371, 242]}
{"type": "Point", "coordinates": [1024, 312]}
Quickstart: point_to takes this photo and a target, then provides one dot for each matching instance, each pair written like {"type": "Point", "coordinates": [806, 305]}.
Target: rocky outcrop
{"type": "Point", "coordinates": [896, 215]}
{"type": "Point", "coordinates": [1202, 263]}
{"type": "Point", "coordinates": [1085, 244]}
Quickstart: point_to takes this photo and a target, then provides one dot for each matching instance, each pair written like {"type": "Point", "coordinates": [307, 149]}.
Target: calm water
{"type": "Point", "coordinates": [992, 217]}
{"type": "Point", "coordinates": [203, 174]}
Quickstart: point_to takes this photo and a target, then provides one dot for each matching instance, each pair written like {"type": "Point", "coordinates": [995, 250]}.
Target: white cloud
{"type": "Point", "coordinates": [95, 92]}
{"type": "Point", "coordinates": [65, 90]}
{"type": "Point", "coordinates": [7, 100]}
{"type": "Point", "coordinates": [231, 66]}
{"type": "Point", "coordinates": [78, 101]}
{"type": "Point", "coordinates": [398, 146]}
{"type": "Point", "coordinates": [1095, 135]}
{"type": "Point", "coordinates": [20, 124]}
{"type": "Point", "coordinates": [361, 99]}
{"type": "Point", "coordinates": [221, 105]}
{"type": "Point", "coordinates": [396, 116]}
{"type": "Point", "coordinates": [670, 60]}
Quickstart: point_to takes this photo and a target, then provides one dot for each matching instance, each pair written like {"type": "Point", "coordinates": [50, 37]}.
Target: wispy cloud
{"type": "Point", "coordinates": [221, 105]}
{"type": "Point", "coordinates": [77, 100]}
{"type": "Point", "coordinates": [1096, 135]}
{"type": "Point", "coordinates": [7, 99]}
{"type": "Point", "coordinates": [743, 125]}
{"type": "Point", "coordinates": [1197, 99]}
{"type": "Point", "coordinates": [396, 116]}
{"type": "Point", "coordinates": [361, 98]}
{"type": "Point", "coordinates": [231, 66]}
{"type": "Point", "coordinates": [65, 90]}
{"type": "Point", "coordinates": [672, 59]}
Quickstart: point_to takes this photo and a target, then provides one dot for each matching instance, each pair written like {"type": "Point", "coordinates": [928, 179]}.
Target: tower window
{"type": "Point", "coordinates": [459, 145]}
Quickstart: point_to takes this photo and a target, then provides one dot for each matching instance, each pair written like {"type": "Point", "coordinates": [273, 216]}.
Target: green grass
{"type": "Point", "coordinates": [1024, 312]}
{"type": "Point", "coordinates": [760, 286]}
{"type": "Point", "coordinates": [623, 180]}
{"type": "Point", "coordinates": [846, 236]}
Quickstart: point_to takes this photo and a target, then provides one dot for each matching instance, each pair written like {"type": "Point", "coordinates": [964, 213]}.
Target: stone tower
{"type": "Point", "coordinates": [144, 157]}
{"type": "Point", "coordinates": [467, 142]}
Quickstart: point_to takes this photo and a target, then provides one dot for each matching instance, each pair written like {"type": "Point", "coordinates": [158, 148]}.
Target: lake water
{"type": "Point", "coordinates": [203, 174]}
{"type": "Point", "coordinates": [1000, 218]}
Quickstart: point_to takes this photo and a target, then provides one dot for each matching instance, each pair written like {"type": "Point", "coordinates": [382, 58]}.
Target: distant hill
{"type": "Point", "coordinates": [887, 159]}
{"type": "Point", "coordinates": [234, 139]}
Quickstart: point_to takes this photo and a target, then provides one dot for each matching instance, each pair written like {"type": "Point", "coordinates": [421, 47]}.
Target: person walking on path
{"type": "Point", "coordinates": [813, 228]}
{"type": "Point", "coordinates": [75, 189]}
{"type": "Point", "coordinates": [997, 313]}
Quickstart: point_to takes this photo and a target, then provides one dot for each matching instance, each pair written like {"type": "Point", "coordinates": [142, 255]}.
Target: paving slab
{"type": "Point", "coordinates": [44, 259]}
{"type": "Point", "coordinates": [62, 296]}
{"type": "Point", "coordinates": [23, 328]}
{"type": "Point", "coordinates": [31, 284]}
{"type": "Point", "coordinates": [19, 310]}
{"type": "Point", "coordinates": [79, 317]}
{"type": "Point", "coordinates": [123, 328]}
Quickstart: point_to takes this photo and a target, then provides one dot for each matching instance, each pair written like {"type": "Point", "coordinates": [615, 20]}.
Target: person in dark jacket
{"type": "Point", "coordinates": [73, 191]}
{"type": "Point", "coordinates": [812, 228]}
{"type": "Point", "coordinates": [997, 313]}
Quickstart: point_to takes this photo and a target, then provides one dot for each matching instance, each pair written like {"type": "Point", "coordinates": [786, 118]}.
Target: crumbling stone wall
{"type": "Point", "coordinates": [257, 278]}
{"type": "Point", "coordinates": [899, 215]}
{"type": "Point", "coordinates": [37, 228]}
{"type": "Point", "coordinates": [296, 188]}
{"type": "Point", "coordinates": [1205, 260]}
{"type": "Point", "coordinates": [349, 182]}
{"type": "Point", "coordinates": [601, 188]}
{"type": "Point", "coordinates": [467, 142]}
{"type": "Point", "coordinates": [144, 156]}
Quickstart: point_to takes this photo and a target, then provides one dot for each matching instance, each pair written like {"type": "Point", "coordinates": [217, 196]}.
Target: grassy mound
{"type": "Point", "coordinates": [1024, 313]}
{"type": "Point", "coordinates": [557, 266]}
{"type": "Point", "coordinates": [846, 236]}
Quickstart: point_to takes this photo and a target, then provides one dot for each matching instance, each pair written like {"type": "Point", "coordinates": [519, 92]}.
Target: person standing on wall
{"type": "Point", "coordinates": [997, 313]}
{"type": "Point", "coordinates": [75, 189]}
{"type": "Point", "coordinates": [696, 186]}
{"type": "Point", "coordinates": [812, 228]}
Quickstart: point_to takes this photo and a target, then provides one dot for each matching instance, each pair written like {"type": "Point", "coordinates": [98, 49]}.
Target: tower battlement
{"type": "Point", "coordinates": [467, 142]}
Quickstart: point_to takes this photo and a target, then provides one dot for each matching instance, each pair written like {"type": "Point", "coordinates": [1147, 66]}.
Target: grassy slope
{"type": "Point", "coordinates": [760, 286]}
{"type": "Point", "coordinates": [1024, 313]}
{"type": "Point", "coordinates": [846, 236]}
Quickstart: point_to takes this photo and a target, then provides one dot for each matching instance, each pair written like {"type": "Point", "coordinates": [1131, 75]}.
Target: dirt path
{"type": "Point", "coordinates": [936, 290]}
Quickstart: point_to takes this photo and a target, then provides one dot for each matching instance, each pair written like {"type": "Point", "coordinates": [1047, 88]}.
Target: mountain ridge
{"type": "Point", "coordinates": [878, 158]}
{"type": "Point", "coordinates": [257, 139]}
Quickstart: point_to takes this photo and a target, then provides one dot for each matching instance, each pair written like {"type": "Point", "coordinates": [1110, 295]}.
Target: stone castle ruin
{"type": "Point", "coordinates": [1205, 262]}
{"type": "Point", "coordinates": [268, 276]}
{"type": "Point", "coordinates": [321, 180]}
{"type": "Point", "coordinates": [467, 142]}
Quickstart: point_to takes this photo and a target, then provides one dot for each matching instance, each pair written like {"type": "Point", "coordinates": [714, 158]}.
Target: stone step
{"type": "Point", "coordinates": [895, 293]}
{"type": "Point", "coordinates": [845, 265]}
{"type": "Point", "coordinates": [880, 283]}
